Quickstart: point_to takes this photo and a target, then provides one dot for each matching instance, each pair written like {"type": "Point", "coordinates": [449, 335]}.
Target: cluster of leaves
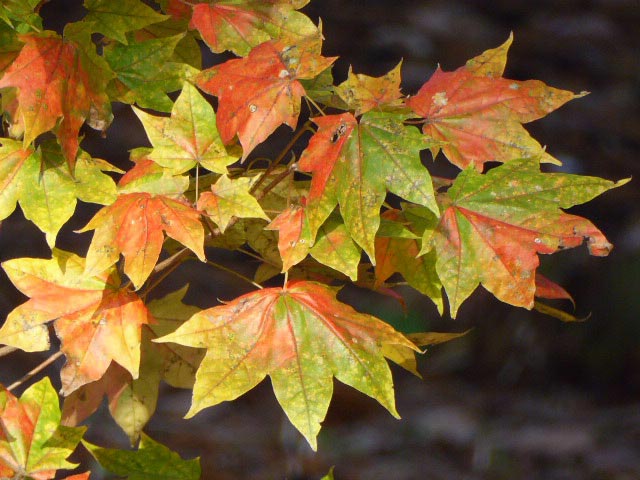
{"type": "Point", "coordinates": [323, 218]}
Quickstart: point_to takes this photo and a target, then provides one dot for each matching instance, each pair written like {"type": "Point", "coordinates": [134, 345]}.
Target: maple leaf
{"type": "Point", "coordinates": [242, 25]}
{"type": "Point", "coordinates": [151, 460]}
{"type": "Point", "coordinates": [56, 88]}
{"type": "Point", "coordinates": [188, 137]}
{"type": "Point", "coordinates": [10, 48]}
{"type": "Point", "coordinates": [493, 226]}
{"type": "Point", "coordinates": [355, 163]}
{"type": "Point", "coordinates": [335, 248]}
{"type": "Point", "coordinates": [546, 288]}
{"type": "Point", "coordinates": [478, 114]}
{"type": "Point", "coordinates": [145, 72]}
{"type": "Point", "coordinates": [20, 13]}
{"type": "Point", "coordinates": [294, 236]}
{"type": "Point", "coordinates": [95, 319]}
{"type": "Point", "coordinates": [33, 444]}
{"type": "Point", "coordinates": [230, 198]}
{"type": "Point", "coordinates": [42, 184]}
{"type": "Point", "coordinates": [114, 18]}
{"type": "Point", "coordinates": [399, 255]}
{"type": "Point", "coordinates": [187, 50]}
{"type": "Point", "coordinates": [134, 224]}
{"type": "Point", "coordinates": [363, 93]}
{"type": "Point", "coordinates": [260, 92]}
{"type": "Point", "coordinates": [301, 336]}
{"type": "Point", "coordinates": [132, 402]}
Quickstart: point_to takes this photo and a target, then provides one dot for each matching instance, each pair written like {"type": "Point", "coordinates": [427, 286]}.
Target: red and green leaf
{"type": "Point", "coordinates": [240, 25]}
{"type": "Point", "coordinates": [354, 164]}
{"type": "Point", "coordinates": [302, 337]}
{"type": "Point", "coordinates": [33, 444]}
{"type": "Point", "coordinates": [55, 89]}
{"type": "Point", "coordinates": [493, 227]}
{"type": "Point", "coordinates": [478, 115]}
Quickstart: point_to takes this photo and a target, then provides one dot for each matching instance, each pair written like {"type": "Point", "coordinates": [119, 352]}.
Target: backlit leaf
{"type": "Point", "coordinates": [188, 137]}
{"type": "Point", "coordinates": [132, 402]}
{"type": "Point", "coordinates": [133, 225]}
{"type": "Point", "coordinates": [40, 181]}
{"type": "Point", "coordinates": [478, 114]}
{"type": "Point", "coordinates": [294, 237]}
{"type": "Point", "coordinates": [493, 226]}
{"type": "Point", "coordinates": [230, 198]}
{"type": "Point", "coordinates": [363, 93]}
{"type": "Point", "coordinates": [95, 319]}
{"type": "Point", "coordinates": [240, 25]}
{"type": "Point", "coordinates": [152, 461]}
{"type": "Point", "coordinates": [260, 92]}
{"type": "Point", "coordinates": [354, 164]}
{"type": "Point", "coordinates": [401, 255]}
{"type": "Point", "coordinates": [301, 336]}
{"type": "Point", "coordinates": [55, 89]}
{"type": "Point", "coordinates": [33, 444]}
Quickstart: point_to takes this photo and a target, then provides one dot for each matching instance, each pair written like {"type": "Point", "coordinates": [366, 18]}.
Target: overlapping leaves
{"type": "Point", "coordinates": [96, 320]}
{"type": "Point", "coordinates": [33, 444]}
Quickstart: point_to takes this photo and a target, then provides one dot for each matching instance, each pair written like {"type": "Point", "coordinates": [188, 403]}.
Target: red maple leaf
{"type": "Point", "coordinates": [260, 92]}
{"type": "Point", "coordinates": [54, 84]}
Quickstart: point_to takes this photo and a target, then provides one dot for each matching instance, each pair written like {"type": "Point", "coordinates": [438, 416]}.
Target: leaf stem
{"type": "Point", "coordinates": [257, 257]}
{"type": "Point", "coordinates": [7, 350]}
{"type": "Point", "coordinates": [233, 272]}
{"type": "Point", "coordinates": [36, 370]}
{"type": "Point", "coordinates": [315, 105]}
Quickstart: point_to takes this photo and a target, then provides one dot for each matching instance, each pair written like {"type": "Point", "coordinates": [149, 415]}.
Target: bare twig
{"type": "Point", "coordinates": [7, 350]}
{"type": "Point", "coordinates": [35, 371]}
{"type": "Point", "coordinates": [233, 272]}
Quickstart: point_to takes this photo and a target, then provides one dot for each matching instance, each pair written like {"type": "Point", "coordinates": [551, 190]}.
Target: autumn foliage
{"type": "Point", "coordinates": [316, 216]}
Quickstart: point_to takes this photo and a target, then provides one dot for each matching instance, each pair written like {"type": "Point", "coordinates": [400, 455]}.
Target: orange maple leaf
{"type": "Point", "coordinates": [54, 85]}
{"type": "Point", "coordinates": [478, 114]}
{"type": "Point", "coordinates": [260, 92]}
{"type": "Point", "coordinates": [96, 320]}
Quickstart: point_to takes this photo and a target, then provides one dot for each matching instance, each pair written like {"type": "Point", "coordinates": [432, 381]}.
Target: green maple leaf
{"type": "Point", "coordinates": [230, 198]}
{"type": "Point", "coordinates": [33, 444]}
{"type": "Point", "coordinates": [152, 461]}
{"type": "Point", "coordinates": [188, 137]}
{"type": "Point", "coordinates": [493, 226]}
{"type": "Point", "coordinates": [301, 336]}
{"type": "Point", "coordinates": [335, 248]}
{"type": "Point", "coordinates": [41, 183]}
{"type": "Point", "coordinates": [145, 72]}
{"type": "Point", "coordinates": [114, 18]}
{"type": "Point", "coordinates": [355, 163]}
{"type": "Point", "coordinates": [21, 15]}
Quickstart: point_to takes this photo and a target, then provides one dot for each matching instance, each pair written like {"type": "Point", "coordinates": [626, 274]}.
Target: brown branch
{"type": "Point", "coordinates": [7, 350]}
{"type": "Point", "coordinates": [35, 370]}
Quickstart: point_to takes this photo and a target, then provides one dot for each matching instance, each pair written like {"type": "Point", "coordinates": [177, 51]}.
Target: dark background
{"type": "Point", "coordinates": [521, 396]}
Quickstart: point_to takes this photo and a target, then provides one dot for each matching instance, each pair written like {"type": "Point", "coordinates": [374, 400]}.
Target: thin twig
{"type": "Point", "coordinates": [159, 279]}
{"type": "Point", "coordinates": [257, 257]}
{"type": "Point", "coordinates": [7, 350]}
{"type": "Point", "coordinates": [315, 105]}
{"type": "Point", "coordinates": [305, 128]}
{"type": "Point", "coordinates": [36, 370]}
{"type": "Point", "coordinates": [233, 272]}
{"type": "Point", "coordinates": [292, 168]}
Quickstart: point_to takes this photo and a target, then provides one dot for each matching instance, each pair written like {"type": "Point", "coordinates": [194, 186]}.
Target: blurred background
{"type": "Point", "coordinates": [522, 396]}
